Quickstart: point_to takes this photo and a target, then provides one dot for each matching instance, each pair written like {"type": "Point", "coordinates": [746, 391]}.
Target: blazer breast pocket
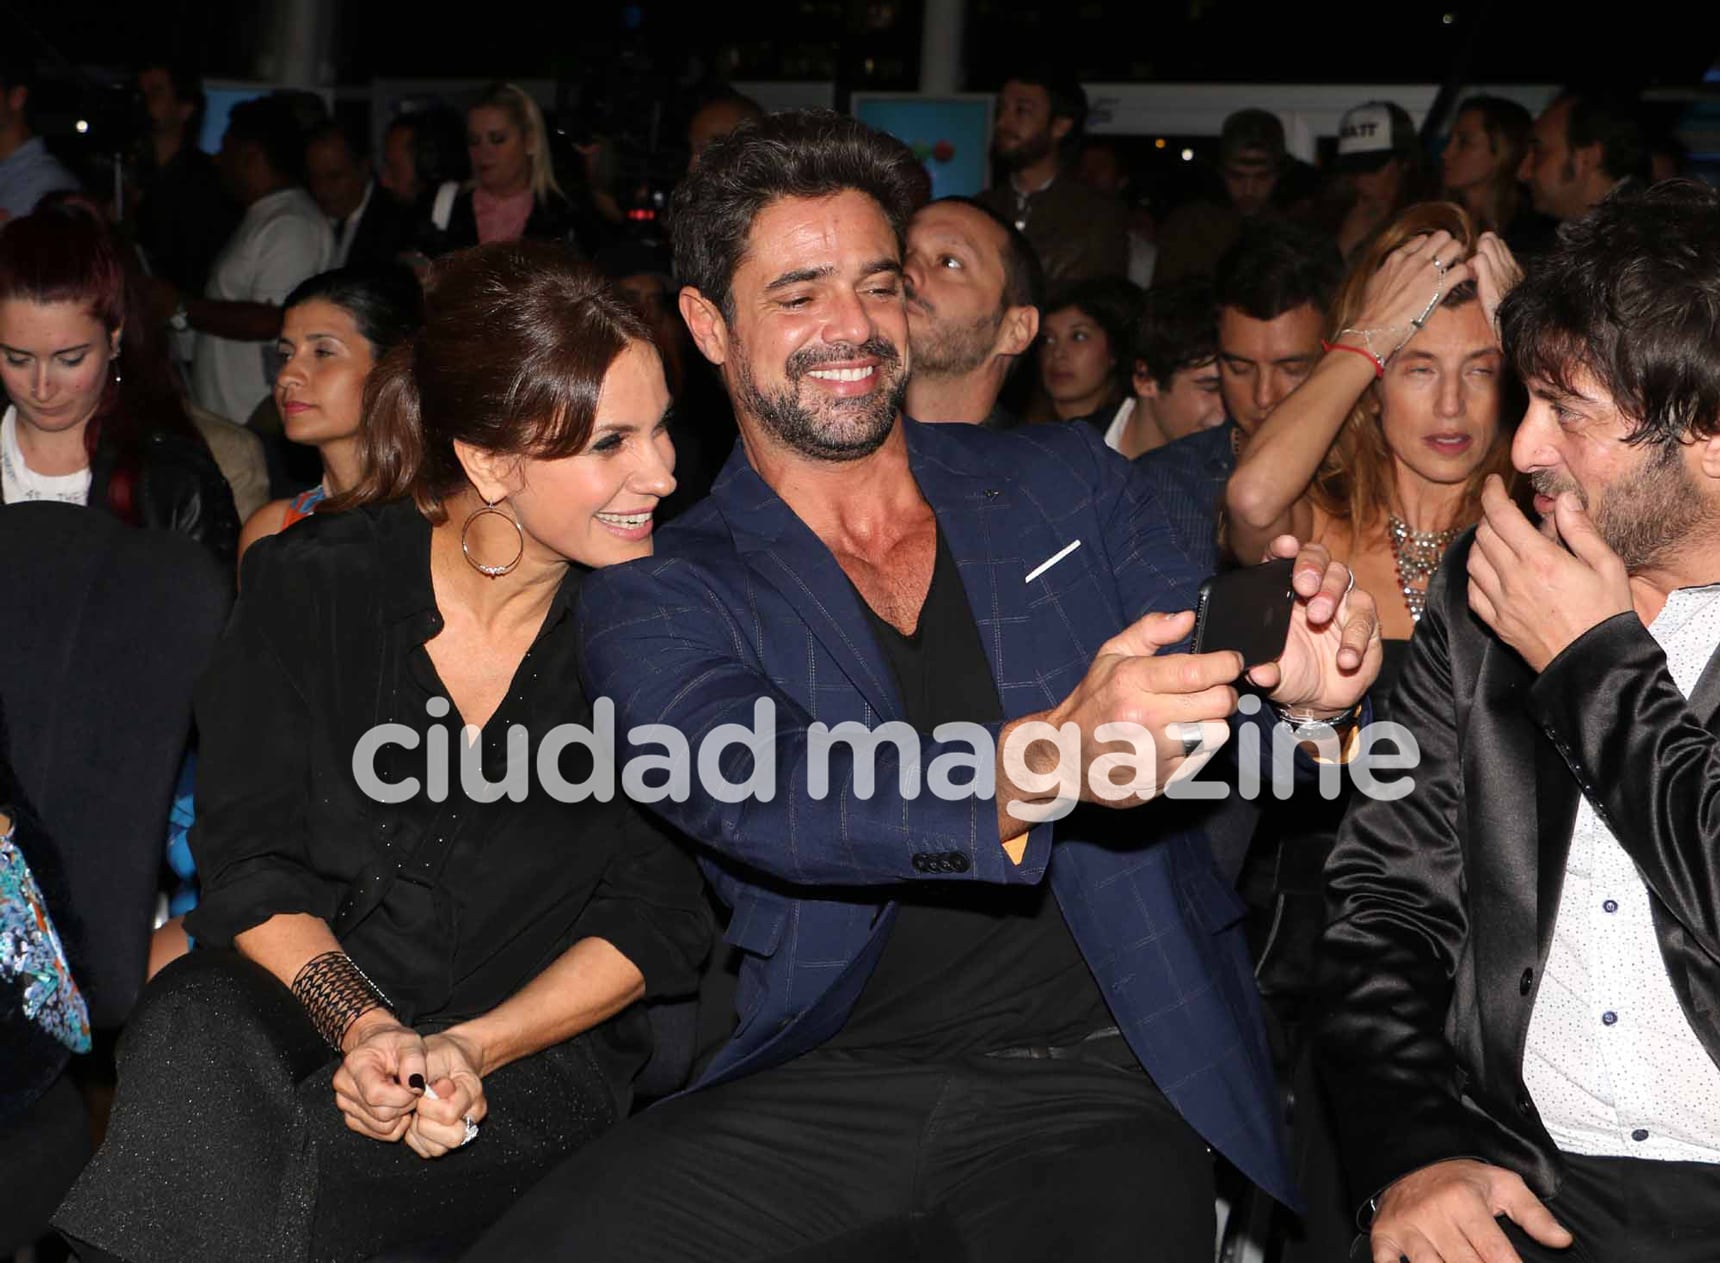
{"type": "Point", "coordinates": [1068, 581]}
{"type": "Point", "coordinates": [1070, 614]}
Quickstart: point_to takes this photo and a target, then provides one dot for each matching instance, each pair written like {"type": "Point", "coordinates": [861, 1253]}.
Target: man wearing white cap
{"type": "Point", "coordinates": [1379, 156]}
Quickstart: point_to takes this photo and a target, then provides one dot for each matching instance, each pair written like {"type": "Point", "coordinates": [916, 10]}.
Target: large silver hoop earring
{"type": "Point", "coordinates": [492, 572]}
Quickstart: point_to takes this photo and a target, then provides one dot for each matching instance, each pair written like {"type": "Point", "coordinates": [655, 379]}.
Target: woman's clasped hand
{"type": "Point", "coordinates": [396, 1084]}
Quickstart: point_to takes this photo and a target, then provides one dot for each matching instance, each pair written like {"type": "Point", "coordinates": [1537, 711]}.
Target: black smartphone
{"type": "Point", "coordinates": [1247, 611]}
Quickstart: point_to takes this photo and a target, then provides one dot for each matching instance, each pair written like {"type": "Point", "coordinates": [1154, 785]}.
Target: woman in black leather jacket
{"type": "Point", "coordinates": [94, 417]}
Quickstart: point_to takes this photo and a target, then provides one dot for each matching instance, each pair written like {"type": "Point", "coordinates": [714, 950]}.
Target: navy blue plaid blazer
{"type": "Point", "coordinates": [742, 601]}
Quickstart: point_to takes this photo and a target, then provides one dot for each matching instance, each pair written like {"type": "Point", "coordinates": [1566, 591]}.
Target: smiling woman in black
{"type": "Point", "coordinates": [417, 963]}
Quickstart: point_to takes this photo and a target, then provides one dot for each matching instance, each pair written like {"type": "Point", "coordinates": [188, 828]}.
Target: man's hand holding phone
{"type": "Point", "coordinates": [1332, 653]}
{"type": "Point", "coordinates": [1182, 702]}
{"type": "Point", "coordinates": [1139, 713]}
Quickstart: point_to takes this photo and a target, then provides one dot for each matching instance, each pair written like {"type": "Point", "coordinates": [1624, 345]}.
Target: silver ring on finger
{"type": "Point", "coordinates": [1439, 265]}
{"type": "Point", "coordinates": [471, 1130]}
{"type": "Point", "coordinates": [1190, 741]}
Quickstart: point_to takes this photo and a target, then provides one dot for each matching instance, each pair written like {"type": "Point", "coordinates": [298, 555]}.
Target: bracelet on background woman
{"type": "Point", "coordinates": [1376, 361]}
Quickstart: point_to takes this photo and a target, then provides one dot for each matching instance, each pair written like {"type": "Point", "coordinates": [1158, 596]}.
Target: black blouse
{"type": "Point", "coordinates": [449, 906]}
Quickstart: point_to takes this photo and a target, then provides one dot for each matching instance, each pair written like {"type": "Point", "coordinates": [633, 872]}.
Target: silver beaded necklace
{"type": "Point", "coordinates": [1417, 554]}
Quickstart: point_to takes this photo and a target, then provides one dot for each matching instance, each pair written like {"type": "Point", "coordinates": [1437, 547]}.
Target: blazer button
{"type": "Point", "coordinates": [958, 862]}
{"type": "Point", "coordinates": [1525, 1105]}
{"type": "Point", "coordinates": [1527, 982]}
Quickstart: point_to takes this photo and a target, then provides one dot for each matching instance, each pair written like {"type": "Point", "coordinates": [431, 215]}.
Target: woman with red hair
{"type": "Point", "coordinates": [93, 415]}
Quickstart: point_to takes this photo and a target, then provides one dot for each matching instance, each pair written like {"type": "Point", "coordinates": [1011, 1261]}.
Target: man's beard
{"type": "Point", "coordinates": [1649, 514]}
{"type": "Point", "coordinates": [848, 429]}
{"type": "Point", "coordinates": [949, 349]}
{"type": "Point", "coordinates": [1026, 152]}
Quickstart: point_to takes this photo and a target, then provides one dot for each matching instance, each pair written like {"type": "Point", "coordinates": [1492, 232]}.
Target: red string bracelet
{"type": "Point", "coordinates": [1376, 361]}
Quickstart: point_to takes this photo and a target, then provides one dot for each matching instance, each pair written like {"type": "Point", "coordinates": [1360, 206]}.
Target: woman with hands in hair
{"type": "Point", "coordinates": [1381, 453]}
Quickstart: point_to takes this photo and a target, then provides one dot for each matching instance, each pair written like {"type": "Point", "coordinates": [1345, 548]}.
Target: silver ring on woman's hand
{"type": "Point", "coordinates": [1439, 264]}
{"type": "Point", "coordinates": [1190, 743]}
{"type": "Point", "coordinates": [471, 1130]}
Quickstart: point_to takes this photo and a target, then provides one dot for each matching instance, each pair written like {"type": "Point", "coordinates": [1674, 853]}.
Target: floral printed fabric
{"type": "Point", "coordinates": [32, 958]}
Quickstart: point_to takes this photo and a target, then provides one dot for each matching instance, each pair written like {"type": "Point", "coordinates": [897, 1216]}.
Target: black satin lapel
{"type": "Point", "coordinates": [1705, 697]}
{"type": "Point", "coordinates": [1556, 798]}
{"type": "Point", "coordinates": [1520, 833]}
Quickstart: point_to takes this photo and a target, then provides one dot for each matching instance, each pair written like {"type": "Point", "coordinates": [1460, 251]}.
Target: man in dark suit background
{"type": "Point", "coordinates": [1025, 1034]}
{"type": "Point", "coordinates": [370, 227]}
{"type": "Point", "coordinates": [1523, 962]}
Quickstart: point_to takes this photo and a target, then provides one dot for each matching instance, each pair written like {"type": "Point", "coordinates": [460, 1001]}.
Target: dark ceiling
{"type": "Point", "coordinates": [874, 43]}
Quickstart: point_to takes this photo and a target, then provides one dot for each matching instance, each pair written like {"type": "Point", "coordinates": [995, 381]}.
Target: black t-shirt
{"type": "Point", "coordinates": [969, 967]}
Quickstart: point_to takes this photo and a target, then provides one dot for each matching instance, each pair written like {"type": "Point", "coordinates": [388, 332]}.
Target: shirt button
{"type": "Point", "coordinates": [1527, 981]}
{"type": "Point", "coordinates": [1609, 1018]}
{"type": "Point", "coordinates": [1640, 1134]}
{"type": "Point", "coordinates": [1611, 905]}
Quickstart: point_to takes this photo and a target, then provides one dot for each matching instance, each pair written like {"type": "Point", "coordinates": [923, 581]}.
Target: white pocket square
{"type": "Point", "coordinates": [1052, 560]}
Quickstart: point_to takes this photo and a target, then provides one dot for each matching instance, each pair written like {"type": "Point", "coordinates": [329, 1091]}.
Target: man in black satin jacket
{"type": "Point", "coordinates": [1522, 967]}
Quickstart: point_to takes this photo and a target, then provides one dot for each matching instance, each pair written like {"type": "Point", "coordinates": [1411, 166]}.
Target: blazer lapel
{"type": "Point", "coordinates": [1557, 796]}
{"type": "Point", "coordinates": [1556, 799]}
{"type": "Point", "coordinates": [783, 552]}
{"type": "Point", "coordinates": [974, 507]}
{"type": "Point", "coordinates": [1524, 842]}
{"type": "Point", "coordinates": [1705, 697]}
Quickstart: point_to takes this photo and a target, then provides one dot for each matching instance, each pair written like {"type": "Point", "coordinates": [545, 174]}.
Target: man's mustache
{"type": "Point", "coordinates": [1552, 486]}
{"type": "Point", "coordinates": [806, 359]}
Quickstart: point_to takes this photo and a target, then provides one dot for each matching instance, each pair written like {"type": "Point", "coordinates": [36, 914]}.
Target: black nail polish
{"type": "Point", "coordinates": [416, 1082]}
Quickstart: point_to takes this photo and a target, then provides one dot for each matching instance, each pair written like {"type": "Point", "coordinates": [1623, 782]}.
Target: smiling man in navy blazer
{"type": "Point", "coordinates": [995, 1041]}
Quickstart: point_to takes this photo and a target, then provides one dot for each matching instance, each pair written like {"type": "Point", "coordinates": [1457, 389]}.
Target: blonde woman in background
{"type": "Point", "coordinates": [513, 194]}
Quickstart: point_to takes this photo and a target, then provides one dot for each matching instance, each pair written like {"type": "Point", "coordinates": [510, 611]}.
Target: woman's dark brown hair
{"type": "Point", "coordinates": [516, 340]}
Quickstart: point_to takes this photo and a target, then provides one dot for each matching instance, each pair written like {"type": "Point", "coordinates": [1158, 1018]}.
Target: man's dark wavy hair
{"type": "Point", "coordinates": [800, 154]}
{"type": "Point", "coordinates": [1631, 294]}
{"type": "Point", "coordinates": [1178, 328]}
{"type": "Point", "coordinates": [1277, 266]}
